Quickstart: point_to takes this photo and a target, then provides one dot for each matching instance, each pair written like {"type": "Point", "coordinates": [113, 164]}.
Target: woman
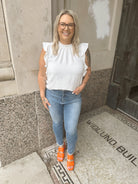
{"type": "Point", "coordinates": [64, 69]}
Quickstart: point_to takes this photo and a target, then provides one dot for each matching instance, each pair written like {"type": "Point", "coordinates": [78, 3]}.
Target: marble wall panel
{"type": "Point", "coordinates": [29, 24]}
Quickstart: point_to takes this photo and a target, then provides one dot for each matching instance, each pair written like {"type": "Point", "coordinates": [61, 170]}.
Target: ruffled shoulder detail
{"type": "Point", "coordinates": [47, 46]}
{"type": "Point", "coordinates": [82, 48]}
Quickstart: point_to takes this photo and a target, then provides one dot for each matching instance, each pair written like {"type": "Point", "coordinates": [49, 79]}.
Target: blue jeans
{"type": "Point", "coordinates": [65, 108]}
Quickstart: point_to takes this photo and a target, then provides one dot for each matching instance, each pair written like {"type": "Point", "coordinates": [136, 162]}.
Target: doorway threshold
{"type": "Point", "coordinates": [120, 110]}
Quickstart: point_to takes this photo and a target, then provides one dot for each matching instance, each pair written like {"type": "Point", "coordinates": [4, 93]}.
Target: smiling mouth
{"type": "Point", "coordinates": [65, 34]}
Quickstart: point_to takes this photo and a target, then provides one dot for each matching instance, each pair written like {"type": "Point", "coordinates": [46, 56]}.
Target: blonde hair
{"type": "Point", "coordinates": [75, 38]}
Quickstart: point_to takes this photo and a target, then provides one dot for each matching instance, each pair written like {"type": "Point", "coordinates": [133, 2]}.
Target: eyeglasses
{"type": "Point", "coordinates": [63, 25]}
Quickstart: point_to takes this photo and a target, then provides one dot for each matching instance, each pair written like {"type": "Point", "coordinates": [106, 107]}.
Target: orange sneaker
{"type": "Point", "coordinates": [60, 153]}
{"type": "Point", "coordinates": [70, 162]}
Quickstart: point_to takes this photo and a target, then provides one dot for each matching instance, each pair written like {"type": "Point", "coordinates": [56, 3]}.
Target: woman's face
{"type": "Point", "coordinates": [66, 29]}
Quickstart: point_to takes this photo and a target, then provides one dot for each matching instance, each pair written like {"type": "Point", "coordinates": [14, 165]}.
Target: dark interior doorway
{"type": "Point", "coordinates": [123, 88]}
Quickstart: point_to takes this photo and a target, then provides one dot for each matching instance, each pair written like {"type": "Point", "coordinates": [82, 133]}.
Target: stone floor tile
{"type": "Point", "coordinates": [28, 170]}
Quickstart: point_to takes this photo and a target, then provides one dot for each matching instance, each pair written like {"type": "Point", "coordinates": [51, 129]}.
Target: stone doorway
{"type": "Point", "coordinates": [123, 88]}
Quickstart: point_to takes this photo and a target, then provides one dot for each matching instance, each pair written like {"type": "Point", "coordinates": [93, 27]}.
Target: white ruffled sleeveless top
{"type": "Point", "coordinates": [65, 70]}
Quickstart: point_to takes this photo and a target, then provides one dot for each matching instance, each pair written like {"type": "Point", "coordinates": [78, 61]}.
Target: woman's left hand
{"type": "Point", "coordinates": [78, 90]}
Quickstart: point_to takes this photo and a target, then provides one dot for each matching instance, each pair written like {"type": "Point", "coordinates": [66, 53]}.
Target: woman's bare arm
{"type": "Point", "coordinates": [87, 75]}
{"type": "Point", "coordinates": [88, 63]}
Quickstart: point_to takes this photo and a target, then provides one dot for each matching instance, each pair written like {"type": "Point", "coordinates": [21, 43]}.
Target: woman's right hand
{"type": "Point", "coordinates": [45, 103]}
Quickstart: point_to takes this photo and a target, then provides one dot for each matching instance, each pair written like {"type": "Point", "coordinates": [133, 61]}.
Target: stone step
{"type": "Point", "coordinates": [28, 170]}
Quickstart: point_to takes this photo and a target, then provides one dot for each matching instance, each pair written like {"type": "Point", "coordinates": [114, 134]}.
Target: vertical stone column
{"type": "Point", "coordinates": [6, 70]}
{"type": "Point", "coordinates": [7, 76]}
{"type": "Point", "coordinates": [28, 25]}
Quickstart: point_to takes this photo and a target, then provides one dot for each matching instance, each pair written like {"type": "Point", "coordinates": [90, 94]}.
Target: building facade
{"type": "Point", "coordinates": [25, 126]}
